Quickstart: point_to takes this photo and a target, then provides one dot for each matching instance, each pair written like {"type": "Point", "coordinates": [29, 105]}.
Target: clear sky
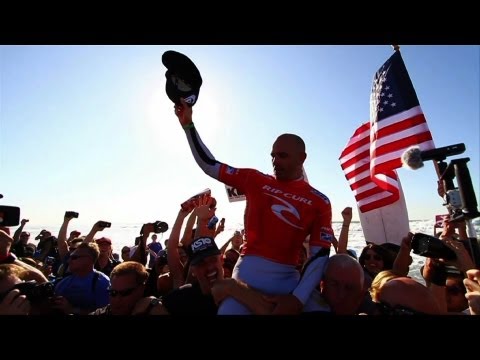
{"type": "Point", "coordinates": [90, 128]}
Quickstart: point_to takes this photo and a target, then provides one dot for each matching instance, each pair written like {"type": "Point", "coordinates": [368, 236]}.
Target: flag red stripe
{"type": "Point", "coordinates": [357, 171]}
{"type": "Point", "coordinates": [357, 158]}
{"type": "Point", "coordinates": [402, 144]}
{"type": "Point", "coordinates": [400, 126]}
{"type": "Point", "coordinates": [368, 193]}
{"type": "Point", "coordinates": [379, 203]}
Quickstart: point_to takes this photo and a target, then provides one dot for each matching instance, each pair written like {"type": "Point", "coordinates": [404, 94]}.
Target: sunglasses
{"type": "Point", "coordinates": [375, 257]}
{"type": "Point", "coordinates": [387, 309]}
{"type": "Point", "coordinates": [126, 292]}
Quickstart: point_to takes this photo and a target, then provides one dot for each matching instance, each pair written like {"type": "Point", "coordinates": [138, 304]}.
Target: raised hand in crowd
{"type": "Point", "coordinates": [403, 260]}
{"type": "Point", "coordinates": [16, 235]}
{"type": "Point", "coordinates": [62, 241]}
{"type": "Point", "coordinates": [98, 226]}
{"type": "Point", "coordinates": [220, 227]}
{"type": "Point", "coordinates": [205, 211]}
{"type": "Point", "coordinates": [140, 253]}
{"type": "Point", "coordinates": [343, 237]}
{"type": "Point", "coordinates": [177, 273]}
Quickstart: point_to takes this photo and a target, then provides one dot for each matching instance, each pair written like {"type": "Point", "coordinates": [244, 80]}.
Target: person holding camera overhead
{"type": "Point", "coordinates": [281, 211]}
{"type": "Point", "coordinates": [140, 251]}
{"type": "Point", "coordinates": [105, 262]}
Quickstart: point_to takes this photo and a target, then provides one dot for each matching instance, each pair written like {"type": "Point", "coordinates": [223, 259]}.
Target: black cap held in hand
{"type": "Point", "coordinates": [183, 78]}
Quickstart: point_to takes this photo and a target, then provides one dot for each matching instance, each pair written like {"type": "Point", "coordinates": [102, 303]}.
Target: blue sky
{"type": "Point", "coordinates": [90, 128]}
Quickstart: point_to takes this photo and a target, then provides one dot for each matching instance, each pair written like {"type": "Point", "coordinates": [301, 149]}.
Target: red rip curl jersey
{"type": "Point", "coordinates": [280, 214]}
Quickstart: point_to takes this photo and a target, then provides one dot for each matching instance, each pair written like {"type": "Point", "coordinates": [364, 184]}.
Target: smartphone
{"type": "Point", "coordinates": [71, 214]}
{"type": "Point", "coordinates": [222, 222]}
{"type": "Point", "coordinates": [9, 215]}
{"type": "Point", "coordinates": [104, 224]}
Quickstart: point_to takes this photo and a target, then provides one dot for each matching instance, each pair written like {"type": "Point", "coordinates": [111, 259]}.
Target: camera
{"type": "Point", "coordinates": [34, 292]}
{"type": "Point", "coordinates": [104, 224]}
{"type": "Point", "coordinates": [9, 215]}
{"type": "Point", "coordinates": [71, 214]}
{"type": "Point", "coordinates": [429, 246]}
{"type": "Point", "coordinates": [160, 227]}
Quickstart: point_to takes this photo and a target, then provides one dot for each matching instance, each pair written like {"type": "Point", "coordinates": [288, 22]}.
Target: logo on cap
{"type": "Point", "coordinates": [191, 99]}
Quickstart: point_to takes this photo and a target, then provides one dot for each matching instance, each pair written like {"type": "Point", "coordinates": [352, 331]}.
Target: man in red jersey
{"type": "Point", "coordinates": [282, 210]}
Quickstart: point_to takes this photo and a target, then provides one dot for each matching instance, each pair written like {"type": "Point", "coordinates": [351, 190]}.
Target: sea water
{"type": "Point", "coordinates": [125, 234]}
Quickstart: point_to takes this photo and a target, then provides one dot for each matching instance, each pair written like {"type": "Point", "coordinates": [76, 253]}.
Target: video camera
{"type": "Point", "coordinates": [429, 246]}
{"type": "Point", "coordinates": [35, 293]}
{"type": "Point", "coordinates": [158, 227]}
{"type": "Point", "coordinates": [460, 201]}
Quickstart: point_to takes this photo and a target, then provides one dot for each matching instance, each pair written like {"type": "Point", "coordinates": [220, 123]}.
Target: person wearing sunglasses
{"type": "Point", "coordinates": [127, 287]}
{"type": "Point", "coordinates": [86, 288]}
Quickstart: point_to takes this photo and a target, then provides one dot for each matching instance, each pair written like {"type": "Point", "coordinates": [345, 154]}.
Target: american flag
{"type": "Point", "coordinates": [374, 151]}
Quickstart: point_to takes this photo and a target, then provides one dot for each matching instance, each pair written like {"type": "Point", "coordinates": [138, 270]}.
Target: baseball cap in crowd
{"type": "Point", "coordinates": [104, 240]}
{"type": "Point", "coordinates": [183, 78]}
{"type": "Point", "coordinates": [202, 248]}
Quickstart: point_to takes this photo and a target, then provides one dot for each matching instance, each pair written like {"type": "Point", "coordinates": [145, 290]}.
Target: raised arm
{"type": "Point", "coordinates": [140, 254]}
{"type": "Point", "coordinates": [343, 237]}
{"type": "Point", "coordinates": [62, 237]}
{"type": "Point", "coordinates": [95, 228]}
{"type": "Point", "coordinates": [187, 232]}
{"type": "Point", "coordinates": [202, 155]}
{"type": "Point", "coordinates": [173, 256]}
{"type": "Point", "coordinates": [16, 235]}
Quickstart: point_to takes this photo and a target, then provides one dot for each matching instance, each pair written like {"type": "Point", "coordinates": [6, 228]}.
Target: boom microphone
{"type": "Point", "coordinates": [413, 157]}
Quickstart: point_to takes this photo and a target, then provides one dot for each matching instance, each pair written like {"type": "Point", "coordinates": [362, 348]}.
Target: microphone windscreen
{"type": "Point", "coordinates": [412, 158]}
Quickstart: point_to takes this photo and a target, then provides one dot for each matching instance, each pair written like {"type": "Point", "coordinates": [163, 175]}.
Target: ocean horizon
{"type": "Point", "coordinates": [124, 235]}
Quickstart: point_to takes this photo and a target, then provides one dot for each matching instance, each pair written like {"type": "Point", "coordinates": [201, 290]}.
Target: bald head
{"type": "Point", "coordinates": [296, 140]}
{"type": "Point", "coordinates": [347, 264]}
{"type": "Point", "coordinates": [342, 285]}
{"type": "Point", "coordinates": [288, 155]}
{"type": "Point", "coordinates": [409, 293]}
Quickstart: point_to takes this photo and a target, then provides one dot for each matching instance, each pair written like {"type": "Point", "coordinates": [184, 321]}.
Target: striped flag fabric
{"type": "Point", "coordinates": [374, 151]}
